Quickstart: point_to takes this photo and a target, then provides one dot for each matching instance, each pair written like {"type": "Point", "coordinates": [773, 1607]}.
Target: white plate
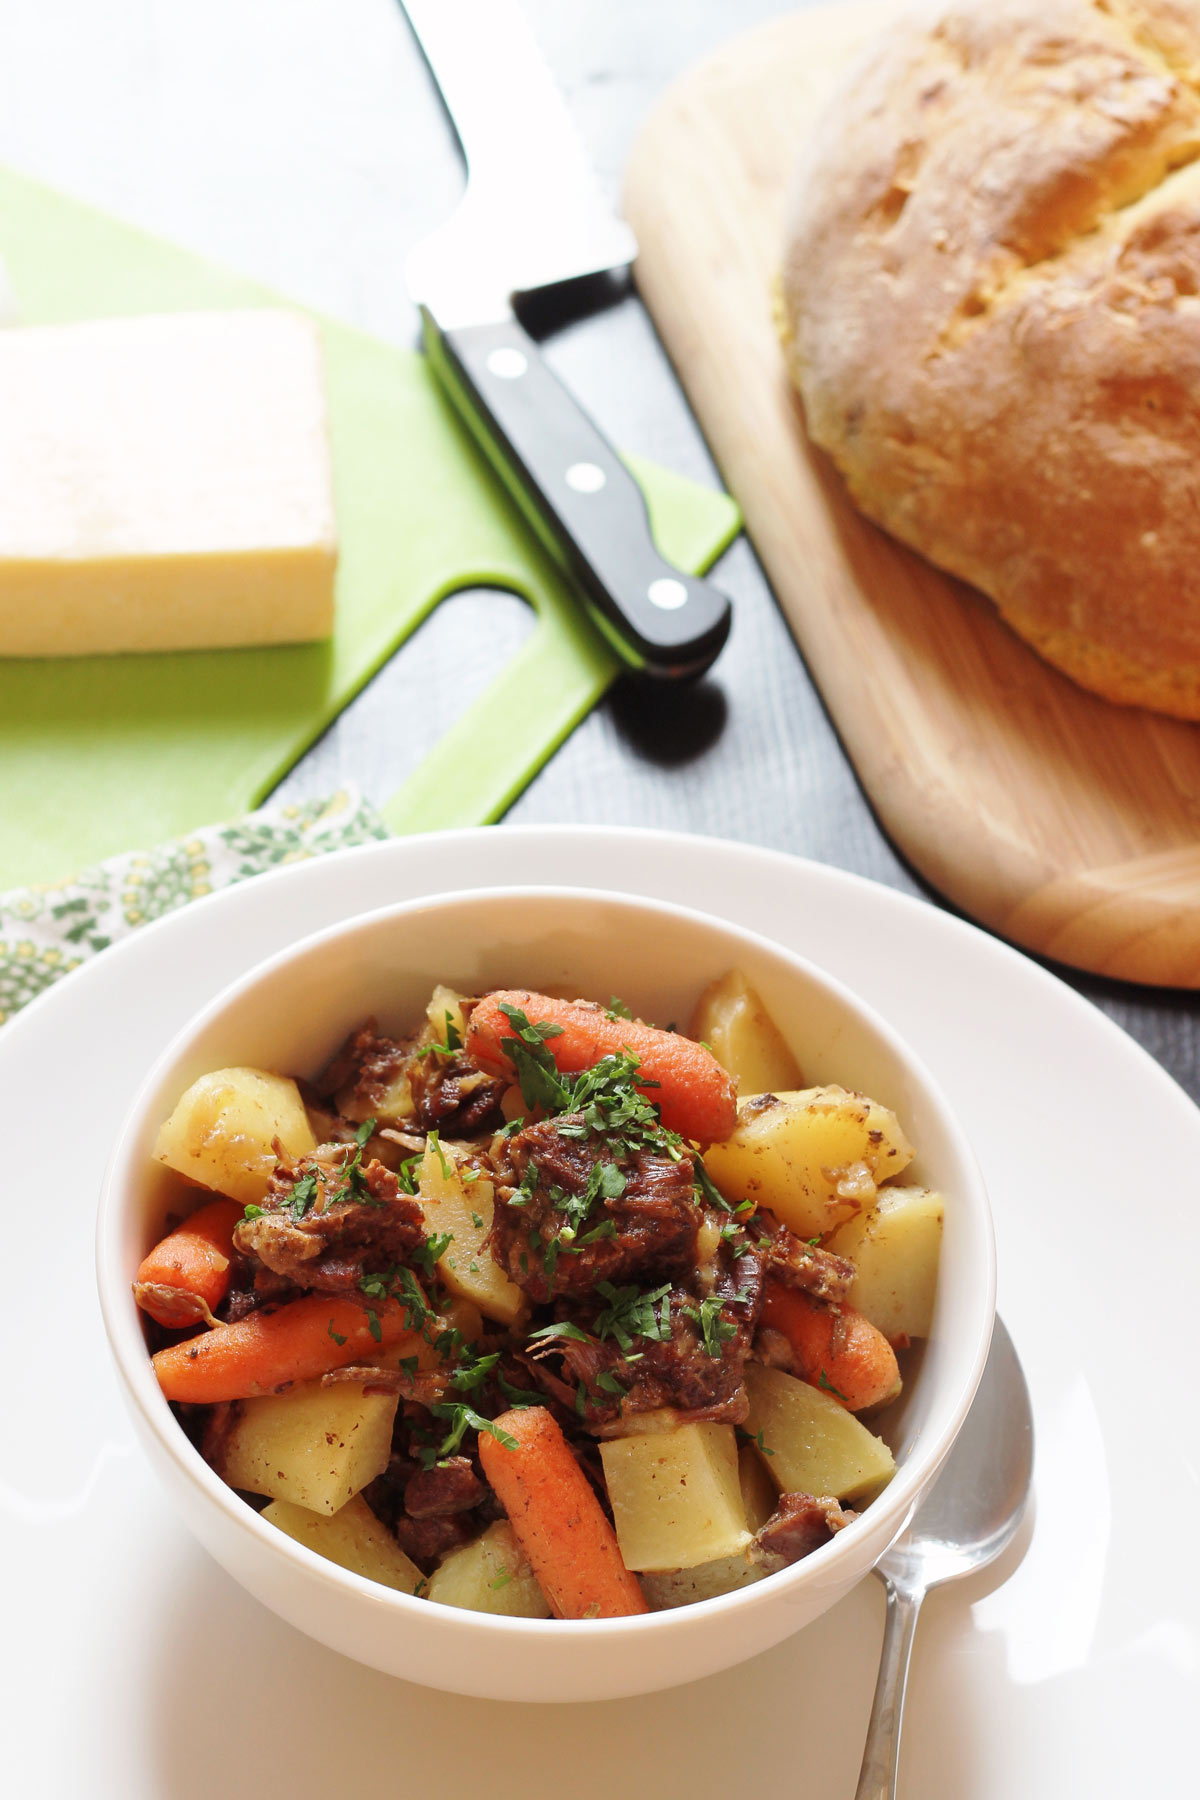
{"type": "Point", "coordinates": [133, 1669]}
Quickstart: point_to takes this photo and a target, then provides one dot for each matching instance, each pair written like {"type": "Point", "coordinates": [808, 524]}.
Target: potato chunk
{"type": "Point", "coordinates": [895, 1249]}
{"type": "Point", "coordinates": [353, 1538]}
{"type": "Point", "coordinates": [813, 1158]}
{"type": "Point", "coordinates": [464, 1209]}
{"type": "Point", "coordinates": [675, 1496]}
{"type": "Point", "coordinates": [222, 1131]}
{"type": "Point", "coordinates": [745, 1040]}
{"type": "Point", "coordinates": [667, 1588]}
{"type": "Point", "coordinates": [814, 1445]}
{"type": "Point", "coordinates": [314, 1445]}
{"type": "Point", "coordinates": [490, 1575]}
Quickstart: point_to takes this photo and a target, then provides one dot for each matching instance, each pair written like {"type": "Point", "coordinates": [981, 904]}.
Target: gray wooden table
{"type": "Point", "coordinates": [302, 141]}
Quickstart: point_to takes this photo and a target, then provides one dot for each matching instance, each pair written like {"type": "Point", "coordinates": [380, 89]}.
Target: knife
{"type": "Point", "coordinates": [532, 217]}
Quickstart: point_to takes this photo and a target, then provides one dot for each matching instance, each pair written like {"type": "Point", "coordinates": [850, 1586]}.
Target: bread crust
{"type": "Point", "coordinates": [991, 308]}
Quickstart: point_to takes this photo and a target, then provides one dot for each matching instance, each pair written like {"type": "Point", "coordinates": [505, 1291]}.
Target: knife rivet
{"type": "Point", "coordinates": [666, 593]}
{"type": "Point", "coordinates": [585, 478]}
{"type": "Point", "coordinates": [507, 363]}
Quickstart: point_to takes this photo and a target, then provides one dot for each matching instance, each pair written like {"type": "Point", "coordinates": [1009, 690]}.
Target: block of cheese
{"type": "Point", "coordinates": [165, 484]}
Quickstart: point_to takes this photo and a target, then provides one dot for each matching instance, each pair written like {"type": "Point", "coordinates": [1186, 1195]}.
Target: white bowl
{"type": "Point", "coordinates": [292, 1012]}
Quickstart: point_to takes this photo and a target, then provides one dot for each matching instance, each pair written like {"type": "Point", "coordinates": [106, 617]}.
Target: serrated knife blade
{"type": "Point", "coordinates": [533, 214]}
{"type": "Point", "coordinates": [532, 217]}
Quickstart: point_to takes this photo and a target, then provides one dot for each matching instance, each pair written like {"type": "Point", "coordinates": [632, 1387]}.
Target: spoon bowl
{"type": "Point", "coordinates": [967, 1518]}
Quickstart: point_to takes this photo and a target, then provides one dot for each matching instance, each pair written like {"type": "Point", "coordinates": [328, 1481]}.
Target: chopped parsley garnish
{"type": "Point", "coordinates": [714, 1329]}
{"type": "Point", "coordinates": [540, 1082]}
{"type": "Point", "coordinates": [519, 1396]}
{"type": "Point", "coordinates": [435, 1144]}
{"type": "Point", "coordinates": [337, 1336]}
{"type": "Point", "coordinates": [406, 1174]}
{"type": "Point", "coordinates": [254, 1212]}
{"type": "Point", "coordinates": [470, 1375]}
{"type": "Point", "coordinates": [565, 1330]}
{"type": "Point", "coordinates": [428, 1253]}
{"type": "Point", "coordinates": [461, 1419]}
{"type": "Point", "coordinates": [349, 1182]}
{"type": "Point", "coordinates": [707, 1189]}
{"type": "Point", "coordinates": [452, 1041]}
{"type": "Point", "coordinates": [304, 1192]}
{"type": "Point", "coordinates": [605, 1229]}
{"type": "Point", "coordinates": [824, 1381]}
{"type": "Point", "coordinates": [503, 1578]}
{"type": "Point", "coordinates": [550, 1253]}
{"type": "Point", "coordinates": [630, 1314]}
{"type": "Point", "coordinates": [617, 1009]}
{"type": "Point", "coordinates": [756, 1439]}
{"type": "Point", "coordinates": [608, 1181]}
{"type": "Point", "coordinates": [398, 1283]}
{"type": "Point", "coordinates": [374, 1326]}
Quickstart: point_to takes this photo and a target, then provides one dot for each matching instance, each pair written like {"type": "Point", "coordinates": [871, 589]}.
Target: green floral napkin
{"type": "Point", "coordinates": [45, 932]}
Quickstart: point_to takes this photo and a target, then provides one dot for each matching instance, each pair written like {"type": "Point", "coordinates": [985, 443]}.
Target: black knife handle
{"type": "Point", "coordinates": [585, 505]}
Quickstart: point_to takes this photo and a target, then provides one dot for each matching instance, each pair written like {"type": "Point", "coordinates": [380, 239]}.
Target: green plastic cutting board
{"type": "Point", "coordinates": [99, 755]}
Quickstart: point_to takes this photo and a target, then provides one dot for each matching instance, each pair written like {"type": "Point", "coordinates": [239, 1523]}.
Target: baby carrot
{"type": "Point", "coordinates": [836, 1348]}
{"type": "Point", "coordinates": [558, 1521]}
{"type": "Point", "coordinates": [186, 1275]}
{"type": "Point", "coordinates": [266, 1350]}
{"type": "Point", "coordinates": [694, 1094]}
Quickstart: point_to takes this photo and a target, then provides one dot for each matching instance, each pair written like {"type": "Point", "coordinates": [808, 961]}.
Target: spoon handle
{"type": "Point", "coordinates": [877, 1778]}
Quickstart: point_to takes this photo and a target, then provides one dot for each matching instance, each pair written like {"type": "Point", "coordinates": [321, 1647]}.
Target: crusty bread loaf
{"type": "Point", "coordinates": [991, 307]}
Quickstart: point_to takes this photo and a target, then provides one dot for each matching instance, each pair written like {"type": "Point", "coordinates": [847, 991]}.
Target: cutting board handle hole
{"type": "Point", "coordinates": [426, 685]}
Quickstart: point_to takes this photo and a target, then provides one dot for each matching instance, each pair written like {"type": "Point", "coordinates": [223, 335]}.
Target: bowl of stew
{"type": "Point", "coordinates": [544, 1295]}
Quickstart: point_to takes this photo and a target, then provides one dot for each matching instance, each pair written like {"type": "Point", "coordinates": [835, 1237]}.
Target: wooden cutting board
{"type": "Point", "coordinates": [1070, 825]}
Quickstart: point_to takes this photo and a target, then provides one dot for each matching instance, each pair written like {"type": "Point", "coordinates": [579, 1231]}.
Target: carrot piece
{"type": "Point", "coordinates": [695, 1095]}
{"type": "Point", "coordinates": [266, 1350]}
{"type": "Point", "coordinates": [836, 1348]}
{"type": "Point", "coordinates": [187, 1274]}
{"type": "Point", "coordinates": [558, 1521]}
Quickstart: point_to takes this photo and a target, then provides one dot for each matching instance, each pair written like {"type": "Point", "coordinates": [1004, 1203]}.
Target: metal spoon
{"type": "Point", "coordinates": [967, 1518]}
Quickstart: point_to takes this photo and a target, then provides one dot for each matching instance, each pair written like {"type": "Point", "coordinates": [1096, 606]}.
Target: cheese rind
{"type": "Point", "coordinates": [165, 484]}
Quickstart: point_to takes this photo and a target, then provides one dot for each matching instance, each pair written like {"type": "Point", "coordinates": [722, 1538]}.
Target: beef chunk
{"type": "Point", "coordinates": [680, 1347]}
{"type": "Point", "coordinates": [449, 1487]}
{"type": "Point", "coordinates": [677, 1371]}
{"type": "Point", "coordinates": [347, 1227]}
{"type": "Point", "coordinates": [800, 1524]}
{"type": "Point", "coordinates": [806, 1266]}
{"type": "Point", "coordinates": [255, 1285]}
{"type": "Point", "coordinates": [453, 1096]}
{"type": "Point", "coordinates": [367, 1077]}
{"type": "Point", "coordinates": [399, 1081]}
{"type": "Point", "coordinates": [428, 1540]}
{"type": "Point", "coordinates": [430, 1511]}
{"type": "Point", "coordinates": [572, 1212]}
